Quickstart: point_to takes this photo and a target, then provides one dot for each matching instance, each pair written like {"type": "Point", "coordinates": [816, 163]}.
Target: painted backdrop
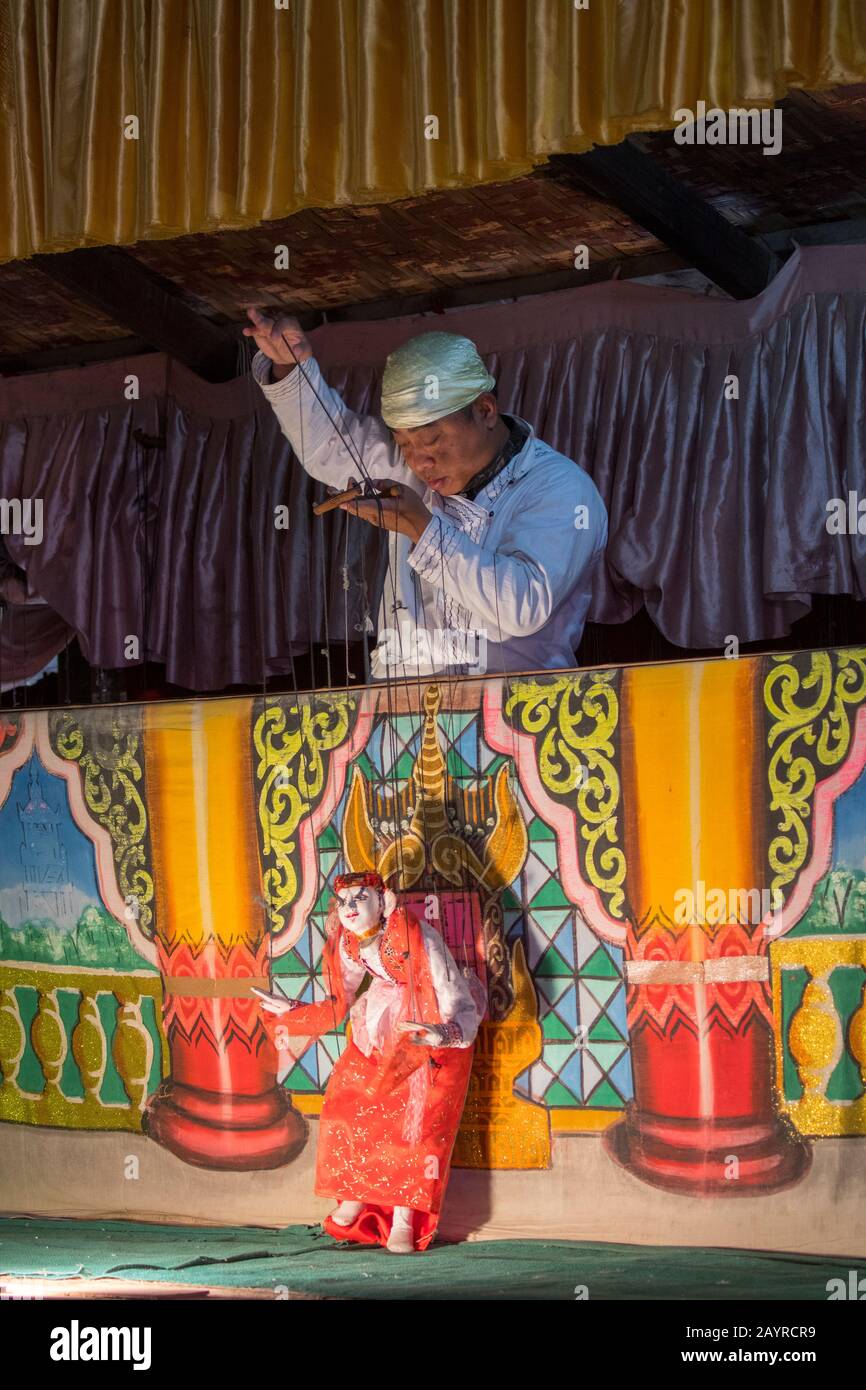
{"type": "Point", "coordinates": [658, 873]}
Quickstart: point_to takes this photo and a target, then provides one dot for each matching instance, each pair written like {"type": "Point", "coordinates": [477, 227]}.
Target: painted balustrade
{"type": "Point", "coordinates": [49, 1040]}
{"type": "Point", "coordinates": [819, 998]}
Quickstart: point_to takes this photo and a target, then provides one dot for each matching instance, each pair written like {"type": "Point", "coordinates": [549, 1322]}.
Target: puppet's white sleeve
{"type": "Point", "coordinates": [324, 433]}
{"type": "Point", "coordinates": [515, 589]}
{"type": "Point", "coordinates": [457, 1008]}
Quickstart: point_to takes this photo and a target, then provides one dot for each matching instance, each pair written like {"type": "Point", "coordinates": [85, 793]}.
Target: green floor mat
{"type": "Point", "coordinates": [305, 1260]}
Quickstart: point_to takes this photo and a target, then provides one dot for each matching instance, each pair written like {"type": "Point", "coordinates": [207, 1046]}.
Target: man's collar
{"type": "Point", "coordinates": [511, 449]}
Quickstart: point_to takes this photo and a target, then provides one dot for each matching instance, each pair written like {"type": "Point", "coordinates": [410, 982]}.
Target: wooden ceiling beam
{"type": "Point", "coordinates": [844, 231]}
{"type": "Point", "coordinates": [624, 175]}
{"type": "Point", "coordinates": [114, 282]}
{"type": "Point", "coordinates": [484, 292]}
{"type": "Point", "coordinates": [72, 355]}
{"type": "Point", "coordinates": [489, 291]}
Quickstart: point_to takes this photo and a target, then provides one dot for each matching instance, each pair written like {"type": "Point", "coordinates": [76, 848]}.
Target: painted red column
{"type": "Point", "coordinates": [703, 1118]}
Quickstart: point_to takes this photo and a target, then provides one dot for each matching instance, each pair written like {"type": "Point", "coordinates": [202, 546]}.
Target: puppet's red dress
{"type": "Point", "coordinates": [392, 1107]}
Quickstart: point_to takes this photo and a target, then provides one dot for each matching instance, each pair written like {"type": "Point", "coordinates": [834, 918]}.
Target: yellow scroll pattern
{"type": "Point", "coordinates": [574, 720]}
{"type": "Point", "coordinates": [113, 785]}
{"type": "Point", "coordinates": [810, 699]}
{"type": "Point", "coordinates": [292, 739]}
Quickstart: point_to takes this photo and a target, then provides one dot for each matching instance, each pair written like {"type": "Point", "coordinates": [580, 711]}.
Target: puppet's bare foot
{"type": "Point", "coordinates": [346, 1212]}
{"type": "Point", "coordinates": [401, 1241]}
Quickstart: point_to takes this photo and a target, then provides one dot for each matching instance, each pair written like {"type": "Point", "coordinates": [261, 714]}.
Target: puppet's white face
{"type": "Point", "coordinates": [360, 908]}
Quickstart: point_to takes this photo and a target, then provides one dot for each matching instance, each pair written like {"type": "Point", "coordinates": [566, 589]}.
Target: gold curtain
{"type": "Point", "coordinates": [247, 111]}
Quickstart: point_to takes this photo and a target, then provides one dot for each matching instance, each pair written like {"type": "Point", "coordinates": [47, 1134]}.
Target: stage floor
{"type": "Point", "coordinates": [118, 1259]}
{"type": "Point", "coordinates": [583, 1198]}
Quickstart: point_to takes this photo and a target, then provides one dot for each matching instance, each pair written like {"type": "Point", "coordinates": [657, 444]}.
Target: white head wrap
{"type": "Point", "coordinates": [431, 376]}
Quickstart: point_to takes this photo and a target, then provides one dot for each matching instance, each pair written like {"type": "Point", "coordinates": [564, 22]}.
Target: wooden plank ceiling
{"type": "Point", "coordinates": [720, 217]}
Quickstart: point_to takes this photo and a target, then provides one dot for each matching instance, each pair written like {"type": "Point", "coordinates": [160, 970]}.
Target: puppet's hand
{"type": "Point", "coordinates": [276, 1003]}
{"type": "Point", "coordinates": [405, 513]}
{"type": "Point", "coordinates": [426, 1034]}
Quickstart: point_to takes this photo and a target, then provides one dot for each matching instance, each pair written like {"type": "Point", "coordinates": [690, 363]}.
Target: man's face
{"type": "Point", "coordinates": [447, 453]}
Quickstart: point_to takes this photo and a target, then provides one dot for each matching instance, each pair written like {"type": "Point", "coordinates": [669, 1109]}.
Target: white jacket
{"type": "Point", "coordinates": [499, 584]}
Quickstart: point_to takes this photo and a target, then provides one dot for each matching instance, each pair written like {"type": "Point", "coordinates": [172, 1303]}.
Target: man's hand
{"type": "Point", "coordinates": [406, 513]}
{"type": "Point", "coordinates": [273, 335]}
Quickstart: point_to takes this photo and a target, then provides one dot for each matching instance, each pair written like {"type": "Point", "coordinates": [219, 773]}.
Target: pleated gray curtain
{"type": "Point", "coordinates": [716, 431]}
{"type": "Point", "coordinates": [167, 516]}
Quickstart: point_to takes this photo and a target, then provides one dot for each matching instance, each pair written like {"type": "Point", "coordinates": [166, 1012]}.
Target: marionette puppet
{"type": "Point", "coordinates": [395, 1096]}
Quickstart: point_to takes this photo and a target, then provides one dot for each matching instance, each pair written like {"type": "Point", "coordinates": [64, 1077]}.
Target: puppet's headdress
{"type": "Point", "coordinates": [431, 376]}
{"type": "Point", "coordinates": [364, 880]}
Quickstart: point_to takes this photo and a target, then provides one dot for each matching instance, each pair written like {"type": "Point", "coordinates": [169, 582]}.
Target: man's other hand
{"type": "Point", "coordinates": [405, 513]}
{"type": "Point", "coordinates": [282, 340]}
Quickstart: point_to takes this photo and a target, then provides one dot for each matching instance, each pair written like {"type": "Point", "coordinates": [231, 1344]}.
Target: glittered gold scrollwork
{"type": "Point", "coordinates": [292, 740]}
{"type": "Point", "coordinates": [108, 755]}
{"type": "Point", "coordinates": [809, 699]}
{"type": "Point", "coordinates": [574, 720]}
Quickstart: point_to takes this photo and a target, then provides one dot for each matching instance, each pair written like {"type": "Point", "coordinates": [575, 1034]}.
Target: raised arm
{"type": "Point", "coordinates": [326, 436]}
